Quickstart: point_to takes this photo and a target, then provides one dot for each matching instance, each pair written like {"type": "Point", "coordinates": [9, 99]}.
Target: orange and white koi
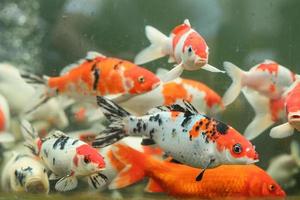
{"type": "Point", "coordinates": [100, 75]}
{"type": "Point", "coordinates": [178, 180]}
{"type": "Point", "coordinates": [67, 158]}
{"type": "Point", "coordinates": [292, 108]}
{"type": "Point", "coordinates": [204, 98]}
{"type": "Point", "coordinates": [184, 46]}
{"type": "Point", "coordinates": [268, 78]}
{"type": "Point", "coordinates": [181, 132]}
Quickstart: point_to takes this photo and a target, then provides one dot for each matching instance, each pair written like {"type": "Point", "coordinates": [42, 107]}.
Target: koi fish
{"type": "Point", "coordinates": [66, 158]}
{"type": "Point", "coordinates": [99, 75]}
{"type": "Point", "coordinates": [204, 98]}
{"type": "Point", "coordinates": [24, 173]}
{"type": "Point", "coordinates": [181, 132]}
{"type": "Point", "coordinates": [5, 137]}
{"type": "Point", "coordinates": [184, 46]}
{"type": "Point", "coordinates": [283, 168]}
{"type": "Point", "coordinates": [292, 108]}
{"type": "Point", "coordinates": [178, 180]}
{"type": "Point", "coordinates": [268, 78]}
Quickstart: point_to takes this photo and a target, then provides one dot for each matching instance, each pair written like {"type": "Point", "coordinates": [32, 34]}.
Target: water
{"type": "Point", "coordinates": [44, 36]}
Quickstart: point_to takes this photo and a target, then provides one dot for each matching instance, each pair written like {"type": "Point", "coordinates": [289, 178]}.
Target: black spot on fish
{"type": "Point", "coordinates": [191, 137]}
{"type": "Point", "coordinates": [134, 130]}
{"type": "Point", "coordinates": [116, 66]}
{"type": "Point", "coordinates": [46, 153]}
{"type": "Point", "coordinates": [20, 176]}
{"type": "Point", "coordinates": [151, 133]}
{"type": "Point", "coordinates": [173, 132]}
{"type": "Point", "coordinates": [53, 161]}
{"type": "Point", "coordinates": [222, 128]}
{"type": "Point", "coordinates": [29, 169]}
{"type": "Point", "coordinates": [139, 125]}
{"type": "Point", "coordinates": [96, 75]}
{"type": "Point", "coordinates": [197, 128]}
{"type": "Point", "coordinates": [186, 120]}
{"type": "Point", "coordinates": [62, 140]}
{"type": "Point", "coordinates": [74, 142]}
{"type": "Point", "coordinates": [144, 126]}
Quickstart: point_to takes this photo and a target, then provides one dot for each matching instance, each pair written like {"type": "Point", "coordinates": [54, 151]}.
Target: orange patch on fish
{"type": "Point", "coordinates": [178, 31]}
{"type": "Point", "coordinates": [270, 67]}
{"type": "Point", "coordinates": [174, 114]}
{"type": "Point", "coordinates": [2, 121]}
{"type": "Point", "coordinates": [276, 106]}
{"type": "Point", "coordinates": [173, 91]}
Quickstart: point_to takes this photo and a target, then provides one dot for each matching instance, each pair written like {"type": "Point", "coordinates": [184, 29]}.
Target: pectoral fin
{"type": "Point", "coordinates": [211, 68]}
{"type": "Point", "coordinates": [53, 177]}
{"type": "Point", "coordinates": [282, 131]}
{"type": "Point", "coordinates": [200, 176]}
{"type": "Point", "coordinates": [173, 73]}
{"type": "Point", "coordinates": [66, 184]}
{"type": "Point", "coordinates": [97, 181]}
{"type": "Point", "coordinates": [153, 186]}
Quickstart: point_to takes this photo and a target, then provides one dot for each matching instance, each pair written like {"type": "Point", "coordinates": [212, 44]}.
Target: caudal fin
{"type": "Point", "coordinates": [134, 169]}
{"type": "Point", "coordinates": [115, 130]}
{"type": "Point", "coordinates": [235, 73]}
{"type": "Point", "coordinates": [155, 50]}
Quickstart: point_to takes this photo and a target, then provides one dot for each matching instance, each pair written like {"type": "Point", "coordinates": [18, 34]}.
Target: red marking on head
{"type": "Point", "coordinates": [293, 100]}
{"type": "Point", "coordinates": [75, 160]}
{"type": "Point", "coordinates": [178, 32]}
{"type": "Point", "coordinates": [92, 154]}
{"type": "Point", "coordinates": [272, 68]}
{"type": "Point", "coordinates": [198, 44]}
{"type": "Point", "coordinates": [2, 121]}
{"type": "Point", "coordinates": [143, 80]}
{"type": "Point", "coordinates": [230, 139]}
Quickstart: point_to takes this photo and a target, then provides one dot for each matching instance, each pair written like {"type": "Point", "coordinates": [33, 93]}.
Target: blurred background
{"type": "Point", "coordinates": [44, 36]}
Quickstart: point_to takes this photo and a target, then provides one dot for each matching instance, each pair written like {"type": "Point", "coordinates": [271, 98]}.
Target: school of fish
{"type": "Point", "coordinates": [108, 123]}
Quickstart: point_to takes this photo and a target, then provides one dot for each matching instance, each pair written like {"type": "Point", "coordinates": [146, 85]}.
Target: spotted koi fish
{"type": "Point", "coordinates": [66, 158]}
{"type": "Point", "coordinates": [181, 132]}
{"type": "Point", "coordinates": [178, 180]}
{"type": "Point", "coordinates": [268, 78]}
{"type": "Point", "coordinates": [100, 75]}
{"type": "Point", "coordinates": [292, 108]}
{"type": "Point", "coordinates": [184, 46]}
{"type": "Point", "coordinates": [204, 98]}
{"type": "Point", "coordinates": [24, 173]}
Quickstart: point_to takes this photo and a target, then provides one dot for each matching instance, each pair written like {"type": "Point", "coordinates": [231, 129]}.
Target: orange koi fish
{"type": "Point", "coordinates": [101, 75]}
{"type": "Point", "coordinates": [204, 98]}
{"type": "Point", "coordinates": [179, 180]}
{"type": "Point", "coordinates": [292, 108]}
{"type": "Point", "coordinates": [184, 46]}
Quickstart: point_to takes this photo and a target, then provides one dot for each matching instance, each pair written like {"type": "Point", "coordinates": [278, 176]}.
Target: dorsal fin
{"type": "Point", "coordinates": [184, 107]}
{"type": "Point", "coordinates": [187, 22]}
{"type": "Point", "coordinates": [90, 55]}
{"type": "Point", "coordinates": [55, 134]}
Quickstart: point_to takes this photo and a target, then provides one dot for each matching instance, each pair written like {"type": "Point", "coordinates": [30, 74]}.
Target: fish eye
{"type": "Point", "coordinates": [237, 148]}
{"type": "Point", "coordinates": [190, 49]}
{"type": "Point", "coordinates": [141, 79]}
{"type": "Point", "coordinates": [272, 187]}
{"type": "Point", "coordinates": [86, 159]}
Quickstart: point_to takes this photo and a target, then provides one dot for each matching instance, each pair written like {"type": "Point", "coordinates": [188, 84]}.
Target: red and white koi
{"type": "Point", "coordinates": [268, 78]}
{"type": "Point", "coordinates": [24, 173]}
{"type": "Point", "coordinates": [66, 158]}
{"type": "Point", "coordinates": [292, 108]}
{"type": "Point", "coordinates": [204, 98]}
{"type": "Point", "coordinates": [99, 75]}
{"type": "Point", "coordinates": [181, 132]}
{"type": "Point", "coordinates": [184, 46]}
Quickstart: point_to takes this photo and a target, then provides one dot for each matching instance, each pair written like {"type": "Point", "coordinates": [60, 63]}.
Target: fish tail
{"type": "Point", "coordinates": [30, 135]}
{"type": "Point", "coordinates": [159, 42]}
{"type": "Point", "coordinates": [115, 131]}
{"type": "Point", "coordinates": [235, 73]}
{"type": "Point", "coordinates": [135, 165]}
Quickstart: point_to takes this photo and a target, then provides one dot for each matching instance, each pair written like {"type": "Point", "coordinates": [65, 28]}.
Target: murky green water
{"type": "Point", "coordinates": [44, 36]}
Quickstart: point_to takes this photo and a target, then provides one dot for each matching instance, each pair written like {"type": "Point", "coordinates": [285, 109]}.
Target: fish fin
{"type": "Point", "coordinates": [295, 151]}
{"type": "Point", "coordinates": [171, 59]}
{"type": "Point", "coordinates": [174, 73]}
{"type": "Point", "coordinates": [30, 135]}
{"type": "Point", "coordinates": [266, 61]}
{"type": "Point", "coordinates": [66, 184]}
{"type": "Point", "coordinates": [97, 181]}
{"type": "Point", "coordinates": [119, 98]}
{"type": "Point", "coordinates": [147, 142]}
{"type": "Point", "coordinates": [53, 177]}
{"type": "Point", "coordinates": [115, 131]}
{"type": "Point", "coordinates": [211, 68]}
{"type": "Point", "coordinates": [134, 166]}
{"type": "Point", "coordinates": [235, 73]}
{"type": "Point", "coordinates": [297, 77]}
{"type": "Point", "coordinates": [282, 131]}
{"type": "Point", "coordinates": [6, 137]}
{"type": "Point", "coordinates": [187, 22]}
{"type": "Point", "coordinates": [161, 72]}
{"type": "Point", "coordinates": [56, 134]}
{"type": "Point", "coordinates": [263, 118]}
{"type": "Point", "coordinates": [153, 187]}
{"type": "Point", "coordinates": [158, 42]}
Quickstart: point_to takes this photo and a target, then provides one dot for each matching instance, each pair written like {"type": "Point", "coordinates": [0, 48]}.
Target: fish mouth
{"type": "Point", "coordinates": [36, 186]}
{"type": "Point", "coordinates": [156, 85]}
{"type": "Point", "coordinates": [252, 161]}
{"type": "Point", "coordinates": [294, 120]}
{"type": "Point", "coordinates": [200, 62]}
